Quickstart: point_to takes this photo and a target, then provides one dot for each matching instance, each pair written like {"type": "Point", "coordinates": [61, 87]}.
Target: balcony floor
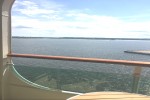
{"type": "Point", "coordinates": [110, 96]}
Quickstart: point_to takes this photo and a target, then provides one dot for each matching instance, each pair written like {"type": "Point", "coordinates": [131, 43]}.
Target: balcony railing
{"type": "Point", "coordinates": [137, 64]}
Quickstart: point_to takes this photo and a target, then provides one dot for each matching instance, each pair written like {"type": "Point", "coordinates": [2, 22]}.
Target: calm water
{"type": "Point", "coordinates": [111, 49]}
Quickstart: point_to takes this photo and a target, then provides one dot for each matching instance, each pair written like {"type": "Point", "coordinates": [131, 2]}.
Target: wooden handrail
{"type": "Point", "coordinates": [95, 60]}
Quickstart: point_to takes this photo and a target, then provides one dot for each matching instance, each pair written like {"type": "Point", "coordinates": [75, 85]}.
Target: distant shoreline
{"type": "Point", "coordinates": [84, 38]}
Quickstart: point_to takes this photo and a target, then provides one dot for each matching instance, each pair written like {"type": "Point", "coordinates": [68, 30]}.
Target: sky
{"type": "Point", "coordinates": [81, 18]}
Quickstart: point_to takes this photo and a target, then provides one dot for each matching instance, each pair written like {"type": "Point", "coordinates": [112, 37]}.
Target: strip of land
{"type": "Point", "coordinates": [144, 52]}
{"type": "Point", "coordinates": [91, 38]}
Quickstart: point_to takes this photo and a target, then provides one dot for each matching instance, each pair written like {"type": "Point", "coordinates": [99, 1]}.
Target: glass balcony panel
{"type": "Point", "coordinates": [144, 83]}
{"type": "Point", "coordinates": [76, 76]}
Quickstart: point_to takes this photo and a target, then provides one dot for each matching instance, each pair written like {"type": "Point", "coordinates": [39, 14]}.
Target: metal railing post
{"type": "Point", "coordinates": [136, 79]}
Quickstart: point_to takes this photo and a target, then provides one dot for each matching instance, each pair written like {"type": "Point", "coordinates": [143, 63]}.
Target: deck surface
{"type": "Point", "coordinates": [110, 96]}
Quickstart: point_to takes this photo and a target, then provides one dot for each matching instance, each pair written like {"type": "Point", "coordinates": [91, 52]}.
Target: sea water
{"type": "Point", "coordinates": [81, 76]}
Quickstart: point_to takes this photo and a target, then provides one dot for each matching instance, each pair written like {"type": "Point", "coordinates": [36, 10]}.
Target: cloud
{"type": "Point", "coordinates": [31, 9]}
{"type": "Point", "coordinates": [139, 31]}
{"type": "Point", "coordinates": [22, 27]}
{"type": "Point", "coordinates": [52, 19]}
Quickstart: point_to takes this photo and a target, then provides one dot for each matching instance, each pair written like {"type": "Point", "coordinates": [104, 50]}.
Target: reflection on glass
{"type": "Point", "coordinates": [76, 76]}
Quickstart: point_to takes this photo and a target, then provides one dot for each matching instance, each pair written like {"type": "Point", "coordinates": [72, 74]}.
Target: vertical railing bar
{"type": "Point", "coordinates": [136, 78]}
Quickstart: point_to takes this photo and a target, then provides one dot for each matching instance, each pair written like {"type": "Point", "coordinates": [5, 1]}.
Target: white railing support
{"type": "Point", "coordinates": [136, 79]}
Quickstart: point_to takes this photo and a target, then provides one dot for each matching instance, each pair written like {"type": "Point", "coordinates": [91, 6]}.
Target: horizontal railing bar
{"type": "Point", "coordinates": [95, 60]}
